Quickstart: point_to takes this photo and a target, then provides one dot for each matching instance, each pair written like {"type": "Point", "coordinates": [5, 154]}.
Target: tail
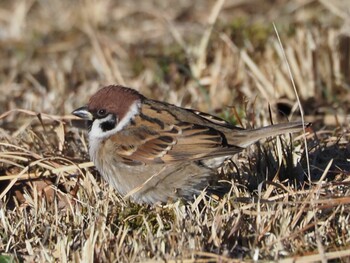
{"type": "Point", "coordinates": [245, 138]}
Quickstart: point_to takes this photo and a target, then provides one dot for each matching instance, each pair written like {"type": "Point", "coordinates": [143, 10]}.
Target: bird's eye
{"type": "Point", "coordinates": [101, 113]}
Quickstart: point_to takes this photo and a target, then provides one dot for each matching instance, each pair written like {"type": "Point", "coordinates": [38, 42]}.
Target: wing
{"type": "Point", "coordinates": [169, 136]}
{"type": "Point", "coordinates": [215, 120]}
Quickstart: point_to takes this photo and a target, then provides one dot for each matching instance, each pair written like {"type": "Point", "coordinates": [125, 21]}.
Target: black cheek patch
{"type": "Point", "coordinates": [109, 125]}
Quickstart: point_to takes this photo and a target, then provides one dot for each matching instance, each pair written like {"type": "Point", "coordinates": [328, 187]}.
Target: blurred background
{"type": "Point", "coordinates": [207, 55]}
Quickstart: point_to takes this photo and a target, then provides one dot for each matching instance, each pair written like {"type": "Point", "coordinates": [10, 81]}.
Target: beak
{"type": "Point", "coordinates": [83, 113]}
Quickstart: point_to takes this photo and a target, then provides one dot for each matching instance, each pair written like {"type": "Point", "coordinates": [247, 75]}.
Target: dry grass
{"type": "Point", "coordinates": [221, 57]}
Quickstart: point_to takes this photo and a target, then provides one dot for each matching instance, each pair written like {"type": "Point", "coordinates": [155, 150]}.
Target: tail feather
{"type": "Point", "coordinates": [247, 137]}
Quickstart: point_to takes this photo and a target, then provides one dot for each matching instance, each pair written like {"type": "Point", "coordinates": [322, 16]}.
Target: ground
{"type": "Point", "coordinates": [249, 62]}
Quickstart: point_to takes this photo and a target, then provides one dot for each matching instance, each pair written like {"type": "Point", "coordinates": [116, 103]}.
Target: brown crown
{"type": "Point", "coordinates": [115, 99]}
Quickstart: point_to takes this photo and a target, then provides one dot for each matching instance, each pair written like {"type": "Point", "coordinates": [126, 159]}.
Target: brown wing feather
{"type": "Point", "coordinates": [164, 133]}
{"type": "Point", "coordinates": [157, 140]}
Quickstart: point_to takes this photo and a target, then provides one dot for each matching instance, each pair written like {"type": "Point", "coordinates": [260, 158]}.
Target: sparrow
{"type": "Point", "coordinates": [153, 151]}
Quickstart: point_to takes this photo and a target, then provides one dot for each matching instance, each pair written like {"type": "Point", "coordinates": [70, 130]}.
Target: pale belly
{"type": "Point", "coordinates": [154, 182]}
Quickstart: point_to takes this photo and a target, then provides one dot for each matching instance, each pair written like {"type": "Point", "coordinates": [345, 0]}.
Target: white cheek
{"type": "Point", "coordinates": [96, 134]}
{"type": "Point", "coordinates": [133, 110]}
